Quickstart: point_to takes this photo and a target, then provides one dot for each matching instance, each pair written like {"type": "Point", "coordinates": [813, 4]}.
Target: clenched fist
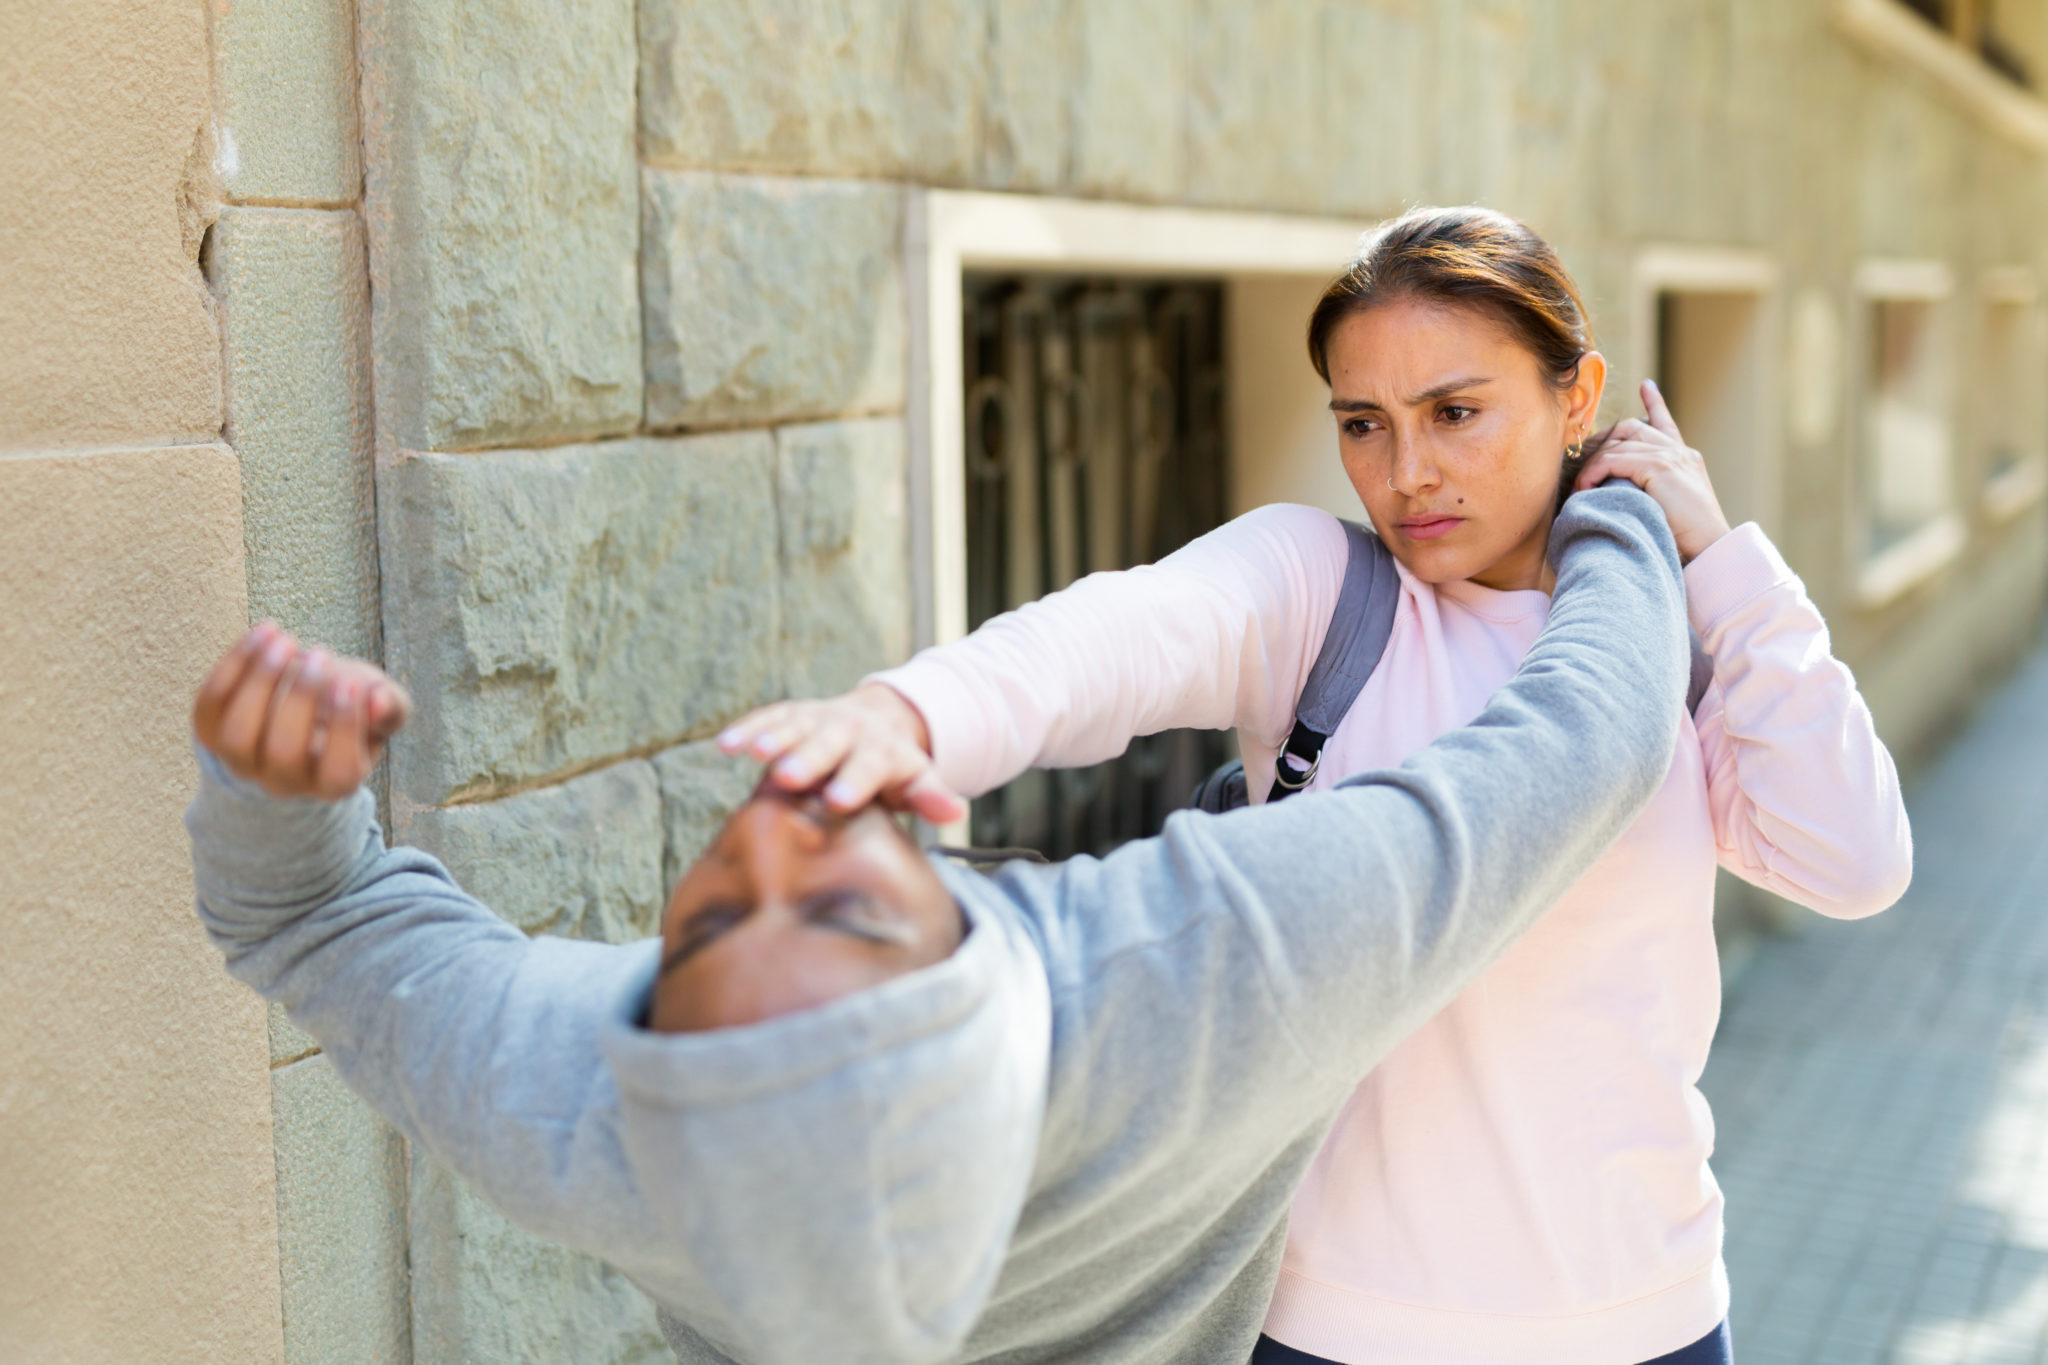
{"type": "Point", "coordinates": [297, 720]}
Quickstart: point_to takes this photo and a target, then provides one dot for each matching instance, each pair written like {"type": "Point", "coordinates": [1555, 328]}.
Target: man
{"type": "Point", "coordinates": [862, 1105]}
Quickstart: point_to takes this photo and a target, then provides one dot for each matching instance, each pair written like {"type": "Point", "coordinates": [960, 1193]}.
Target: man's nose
{"type": "Point", "coordinates": [764, 840]}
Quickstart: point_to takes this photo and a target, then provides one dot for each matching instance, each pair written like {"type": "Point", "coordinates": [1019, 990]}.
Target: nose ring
{"type": "Point", "coordinates": [1391, 488]}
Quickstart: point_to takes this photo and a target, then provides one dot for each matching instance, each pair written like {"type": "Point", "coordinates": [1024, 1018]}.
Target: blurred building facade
{"type": "Point", "coordinates": [608, 371]}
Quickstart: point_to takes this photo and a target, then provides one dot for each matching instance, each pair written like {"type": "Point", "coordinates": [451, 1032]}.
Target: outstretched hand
{"type": "Point", "coordinates": [296, 720]}
{"type": "Point", "coordinates": [865, 745]}
{"type": "Point", "coordinates": [1655, 458]}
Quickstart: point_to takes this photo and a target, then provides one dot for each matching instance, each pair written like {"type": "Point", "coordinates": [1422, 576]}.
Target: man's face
{"type": "Point", "coordinates": [793, 906]}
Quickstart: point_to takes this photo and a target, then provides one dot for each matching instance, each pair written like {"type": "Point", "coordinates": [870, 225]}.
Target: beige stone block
{"type": "Point", "coordinates": [1130, 101]}
{"type": "Point", "coordinates": [484, 1292]}
{"type": "Point", "coordinates": [699, 787]}
{"type": "Point", "coordinates": [105, 322]}
{"type": "Point", "coordinates": [503, 211]}
{"type": "Point", "coordinates": [294, 307]}
{"type": "Point", "coordinates": [771, 299]}
{"type": "Point", "coordinates": [581, 860]}
{"type": "Point", "coordinates": [284, 75]}
{"type": "Point", "coordinates": [139, 1190]}
{"type": "Point", "coordinates": [340, 1222]}
{"type": "Point", "coordinates": [843, 494]}
{"type": "Point", "coordinates": [834, 88]}
{"type": "Point", "coordinates": [555, 609]}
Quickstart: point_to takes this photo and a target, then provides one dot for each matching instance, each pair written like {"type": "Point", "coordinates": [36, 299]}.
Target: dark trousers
{"type": "Point", "coordinates": [1711, 1349]}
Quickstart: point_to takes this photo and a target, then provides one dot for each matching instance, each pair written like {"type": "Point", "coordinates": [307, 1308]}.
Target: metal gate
{"type": "Point", "coordinates": [1095, 440]}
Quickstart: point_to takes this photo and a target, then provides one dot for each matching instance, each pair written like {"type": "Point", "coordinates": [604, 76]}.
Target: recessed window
{"type": "Point", "coordinates": [1702, 320]}
{"type": "Point", "coordinates": [1708, 364]}
{"type": "Point", "coordinates": [1092, 385]}
{"type": "Point", "coordinates": [2011, 405]}
{"type": "Point", "coordinates": [1996, 31]}
{"type": "Point", "coordinates": [1905, 483]}
{"type": "Point", "coordinates": [1906, 477]}
{"type": "Point", "coordinates": [1095, 439]}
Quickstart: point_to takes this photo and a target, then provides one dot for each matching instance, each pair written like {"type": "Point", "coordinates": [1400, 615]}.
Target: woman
{"type": "Point", "coordinates": [1525, 1178]}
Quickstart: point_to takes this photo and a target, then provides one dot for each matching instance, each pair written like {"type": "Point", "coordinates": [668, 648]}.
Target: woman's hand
{"type": "Point", "coordinates": [1655, 458]}
{"type": "Point", "coordinates": [864, 745]}
{"type": "Point", "coordinates": [297, 721]}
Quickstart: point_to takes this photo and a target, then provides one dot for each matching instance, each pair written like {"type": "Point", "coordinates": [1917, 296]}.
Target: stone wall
{"type": "Point", "coordinates": [561, 351]}
{"type": "Point", "coordinates": [638, 327]}
{"type": "Point", "coordinates": [138, 1196]}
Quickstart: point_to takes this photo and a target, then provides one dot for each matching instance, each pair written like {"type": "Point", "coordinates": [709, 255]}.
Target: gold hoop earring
{"type": "Point", "coordinates": [1576, 450]}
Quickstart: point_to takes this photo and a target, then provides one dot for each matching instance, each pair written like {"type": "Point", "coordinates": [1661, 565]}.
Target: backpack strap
{"type": "Point", "coordinates": [1357, 637]}
{"type": "Point", "coordinates": [1702, 674]}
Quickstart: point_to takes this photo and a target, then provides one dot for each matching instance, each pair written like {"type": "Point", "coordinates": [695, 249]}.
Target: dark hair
{"type": "Point", "coordinates": [1471, 257]}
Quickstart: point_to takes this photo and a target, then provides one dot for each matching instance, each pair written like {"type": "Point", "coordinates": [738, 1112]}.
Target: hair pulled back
{"type": "Point", "coordinates": [1467, 257]}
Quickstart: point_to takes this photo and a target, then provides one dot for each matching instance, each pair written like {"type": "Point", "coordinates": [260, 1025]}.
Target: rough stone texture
{"type": "Point", "coordinates": [105, 322]}
{"type": "Point", "coordinates": [1253, 71]}
{"type": "Point", "coordinates": [340, 1222]}
{"type": "Point", "coordinates": [699, 787]}
{"type": "Point", "coordinates": [288, 1042]}
{"type": "Point", "coordinates": [138, 1194]}
{"type": "Point", "coordinates": [843, 494]}
{"type": "Point", "coordinates": [294, 306]}
{"type": "Point", "coordinates": [1026, 113]}
{"type": "Point", "coordinates": [771, 299]}
{"type": "Point", "coordinates": [1130, 100]}
{"type": "Point", "coordinates": [284, 75]}
{"type": "Point", "coordinates": [582, 860]}
{"type": "Point", "coordinates": [554, 609]}
{"type": "Point", "coordinates": [834, 87]}
{"type": "Point", "coordinates": [504, 219]}
{"type": "Point", "coordinates": [485, 1292]}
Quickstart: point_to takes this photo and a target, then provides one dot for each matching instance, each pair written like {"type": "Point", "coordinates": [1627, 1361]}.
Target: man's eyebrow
{"type": "Point", "coordinates": [1428, 395]}
{"type": "Point", "coordinates": [694, 943]}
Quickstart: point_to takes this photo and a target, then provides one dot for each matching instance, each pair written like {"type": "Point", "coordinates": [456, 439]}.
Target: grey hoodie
{"type": "Point", "coordinates": [1074, 1140]}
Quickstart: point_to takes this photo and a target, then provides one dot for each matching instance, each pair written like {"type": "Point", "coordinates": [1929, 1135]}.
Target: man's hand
{"type": "Point", "coordinates": [297, 720]}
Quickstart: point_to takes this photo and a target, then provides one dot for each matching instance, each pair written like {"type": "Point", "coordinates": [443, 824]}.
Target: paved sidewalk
{"type": "Point", "coordinates": [1881, 1090]}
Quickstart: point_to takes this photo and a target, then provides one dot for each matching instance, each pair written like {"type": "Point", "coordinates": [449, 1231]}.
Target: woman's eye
{"type": "Point", "coordinates": [1455, 413]}
{"type": "Point", "coordinates": [1358, 428]}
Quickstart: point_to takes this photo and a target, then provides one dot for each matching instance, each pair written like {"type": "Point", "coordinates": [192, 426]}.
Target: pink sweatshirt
{"type": "Point", "coordinates": [1525, 1178]}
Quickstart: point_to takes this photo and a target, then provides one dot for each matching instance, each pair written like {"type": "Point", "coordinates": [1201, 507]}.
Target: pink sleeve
{"type": "Point", "coordinates": [1220, 633]}
{"type": "Point", "coordinates": [1805, 798]}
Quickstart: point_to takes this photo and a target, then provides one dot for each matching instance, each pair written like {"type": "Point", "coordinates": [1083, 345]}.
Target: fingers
{"type": "Point", "coordinates": [225, 676]}
{"type": "Point", "coordinates": [927, 796]}
{"type": "Point", "coordinates": [284, 751]}
{"type": "Point", "coordinates": [390, 706]}
{"type": "Point", "coordinates": [1614, 464]}
{"type": "Point", "coordinates": [1659, 410]}
{"type": "Point", "coordinates": [821, 747]}
{"type": "Point", "coordinates": [899, 773]}
{"type": "Point", "coordinates": [761, 733]}
{"type": "Point", "coordinates": [238, 730]}
{"type": "Point", "coordinates": [345, 758]}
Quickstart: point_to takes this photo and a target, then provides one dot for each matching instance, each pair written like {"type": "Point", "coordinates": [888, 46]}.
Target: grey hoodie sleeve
{"type": "Point", "coordinates": [1351, 916]}
{"type": "Point", "coordinates": [480, 1045]}
{"type": "Point", "coordinates": [838, 1184]}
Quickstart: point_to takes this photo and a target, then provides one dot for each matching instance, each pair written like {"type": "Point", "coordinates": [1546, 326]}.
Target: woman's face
{"type": "Point", "coordinates": [1453, 437]}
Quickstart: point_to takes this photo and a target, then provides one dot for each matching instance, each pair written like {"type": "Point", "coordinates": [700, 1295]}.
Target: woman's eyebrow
{"type": "Point", "coordinates": [1428, 395]}
{"type": "Point", "coordinates": [1449, 387]}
